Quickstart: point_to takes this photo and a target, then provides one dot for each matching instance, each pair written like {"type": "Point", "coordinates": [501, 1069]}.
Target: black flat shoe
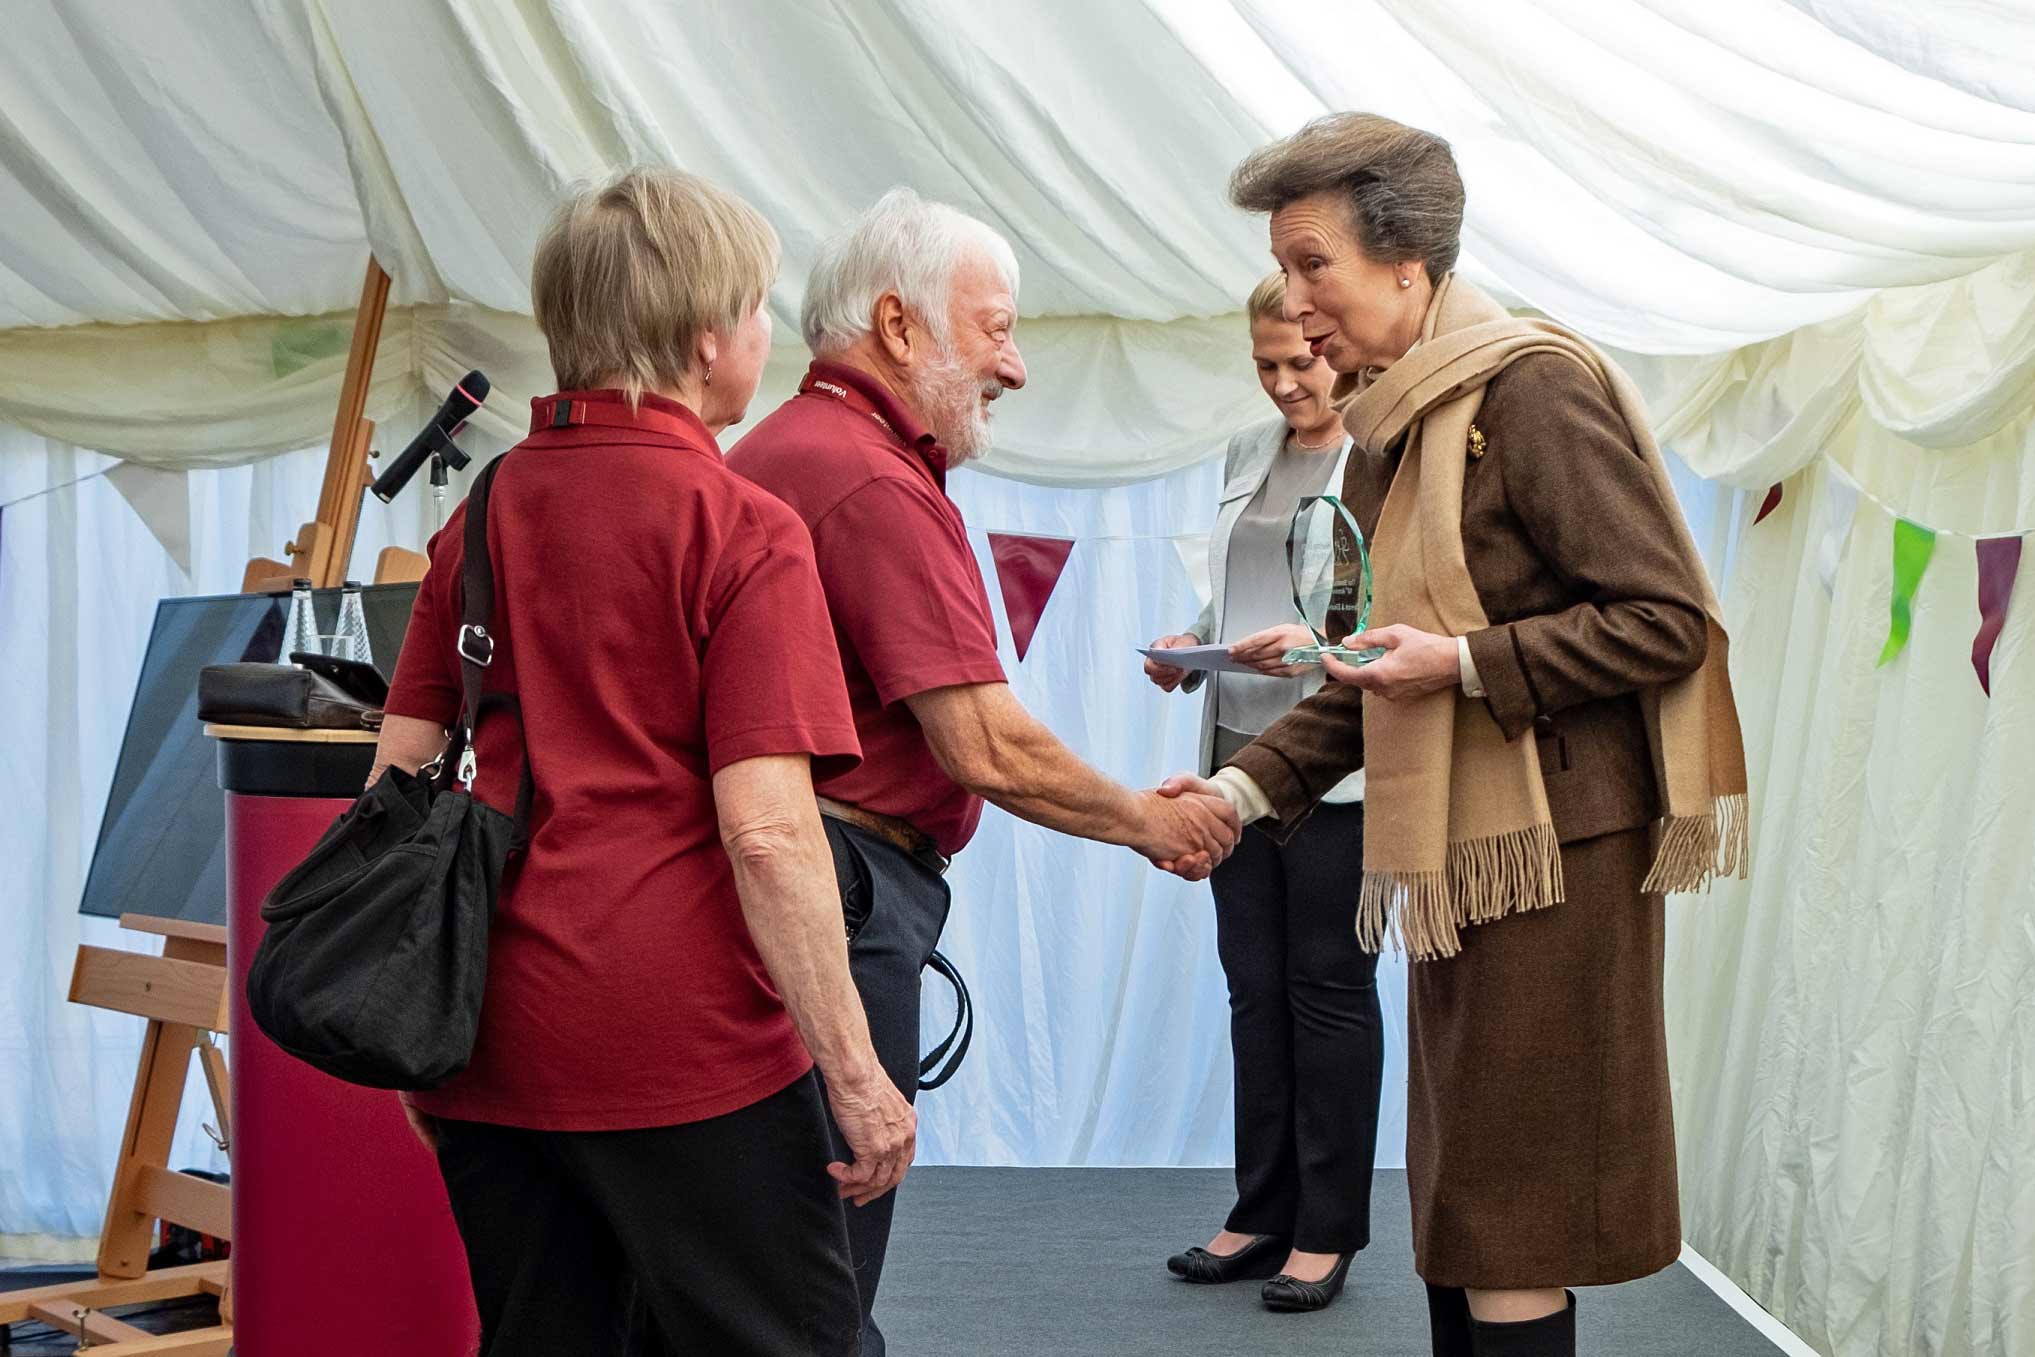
{"type": "Point", "coordinates": [1290, 1294]}
{"type": "Point", "coordinates": [1253, 1262]}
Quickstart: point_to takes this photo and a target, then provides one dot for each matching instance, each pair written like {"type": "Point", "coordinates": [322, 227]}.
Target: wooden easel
{"type": "Point", "coordinates": [182, 994]}
{"type": "Point", "coordinates": [323, 548]}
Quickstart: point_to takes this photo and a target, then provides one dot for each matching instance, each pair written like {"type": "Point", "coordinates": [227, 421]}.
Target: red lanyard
{"type": "Point", "coordinates": [926, 452]}
{"type": "Point", "coordinates": [848, 396]}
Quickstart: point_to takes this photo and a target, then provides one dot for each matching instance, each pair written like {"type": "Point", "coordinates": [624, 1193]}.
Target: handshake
{"type": "Point", "coordinates": [1186, 826]}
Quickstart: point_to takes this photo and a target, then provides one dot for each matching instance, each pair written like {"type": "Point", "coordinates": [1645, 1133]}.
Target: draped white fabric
{"type": "Point", "coordinates": [1851, 1030]}
{"type": "Point", "coordinates": [1848, 1029]}
{"type": "Point", "coordinates": [1699, 176]}
{"type": "Point", "coordinates": [1808, 225]}
{"type": "Point", "coordinates": [1941, 365]}
{"type": "Point", "coordinates": [1129, 400]}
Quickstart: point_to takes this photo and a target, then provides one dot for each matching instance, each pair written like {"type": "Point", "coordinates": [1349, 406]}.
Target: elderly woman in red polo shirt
{"type": "Point", "coordinates": [667, 964]}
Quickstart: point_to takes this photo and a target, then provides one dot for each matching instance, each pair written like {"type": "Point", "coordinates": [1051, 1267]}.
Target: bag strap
{"type": "Point", "coordinates": [476, 648]}
{"type": "Point", "coordinates": [955, 1047]}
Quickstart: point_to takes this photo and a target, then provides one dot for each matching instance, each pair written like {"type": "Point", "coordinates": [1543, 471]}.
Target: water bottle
{"type": "Point", "coordinates": [301, 632]}
{"type": "Point", "coordinates": [353, 643]}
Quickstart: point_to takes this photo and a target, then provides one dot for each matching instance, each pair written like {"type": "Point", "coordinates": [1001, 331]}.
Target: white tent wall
{"type": "Point", "coordinates": [1808, 227]}
{"type": "Point", "coordinates": [1851, 1033]}
{"type": "Point", "coordinates": [1852, 1037]}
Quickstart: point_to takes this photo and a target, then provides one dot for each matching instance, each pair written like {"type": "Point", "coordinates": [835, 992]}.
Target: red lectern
{"type": "Point", "coordinates": [342, 1238]}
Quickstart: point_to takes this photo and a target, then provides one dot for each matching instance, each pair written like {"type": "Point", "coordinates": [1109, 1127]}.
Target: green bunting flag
{"type": "Point", "coordinates": [1913, 546]}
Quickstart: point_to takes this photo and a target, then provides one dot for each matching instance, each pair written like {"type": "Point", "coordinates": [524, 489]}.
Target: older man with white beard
{"type": "Point", "coordinates": [910, 318]}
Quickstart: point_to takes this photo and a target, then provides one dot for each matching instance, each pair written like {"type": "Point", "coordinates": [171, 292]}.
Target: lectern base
{"type": "Point", "coordinates": [342, 1237]}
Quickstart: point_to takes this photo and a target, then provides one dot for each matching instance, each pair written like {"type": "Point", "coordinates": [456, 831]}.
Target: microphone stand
{"type": "Point", "coordinates": [446, 457]}
{"type": "Point", "coordinates": [439, 479]}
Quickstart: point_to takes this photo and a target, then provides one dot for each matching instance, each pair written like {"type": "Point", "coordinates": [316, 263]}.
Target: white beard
{"type": "Point", "coordinates": [949, 398]}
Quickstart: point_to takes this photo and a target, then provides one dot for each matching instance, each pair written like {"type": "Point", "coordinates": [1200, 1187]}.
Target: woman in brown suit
{"type": "Point", "coordinates": [1534, 578]}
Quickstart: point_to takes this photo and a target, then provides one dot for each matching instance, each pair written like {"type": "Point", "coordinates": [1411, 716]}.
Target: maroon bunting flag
{"type": "Point", "coordinates": [1999, 560]}
{"type": "Point", "coordinates": [1027, 568]}
{"type": "Point", "coordinates": [1773, 502]}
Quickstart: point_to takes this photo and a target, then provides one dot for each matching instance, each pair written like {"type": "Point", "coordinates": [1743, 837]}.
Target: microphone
{"type": "Point", "coordinates": [436, 437]}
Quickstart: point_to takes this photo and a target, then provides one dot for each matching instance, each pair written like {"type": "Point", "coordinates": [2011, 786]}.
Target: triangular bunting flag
{"type": "Point", "coordinates": [1840, 504]}
{"type": "Point", "coordinates": [1773, 502]}
{"type": "Point", "coordinates": [1913, 546]}
{"type": "Point", "coordinates": [162, 500]}
{"type": "Point", "coordinates": [1999, 560]}
{"type": "Point", "coordinates": [1027, 568]}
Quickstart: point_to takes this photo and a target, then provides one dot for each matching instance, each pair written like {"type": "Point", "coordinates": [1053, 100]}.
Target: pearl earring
{"type": "Point", "coordinates": [1406, 282]}
{"type": "Point", "coordinates": [710, 374]}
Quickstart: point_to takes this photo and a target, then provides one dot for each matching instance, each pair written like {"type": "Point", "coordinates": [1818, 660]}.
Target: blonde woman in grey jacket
{"type": "Point", "coordinates": [1305, 1031]}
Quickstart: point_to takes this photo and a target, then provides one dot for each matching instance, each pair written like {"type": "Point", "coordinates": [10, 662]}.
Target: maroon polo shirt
{"type": "Point", "coordinates": [644, 597]}
{"type": "Point", "coordinates": [909, 607]}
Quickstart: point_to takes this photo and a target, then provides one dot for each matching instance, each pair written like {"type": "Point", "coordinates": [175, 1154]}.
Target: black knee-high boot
{"type": "Point", "coordinates": [1549, 1336]}
{"type": "Point", "coordinates": [1448, 1314]}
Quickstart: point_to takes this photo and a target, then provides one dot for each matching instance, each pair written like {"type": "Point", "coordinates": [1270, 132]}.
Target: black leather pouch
{"type": "Point", "coordinates": [323, 694]}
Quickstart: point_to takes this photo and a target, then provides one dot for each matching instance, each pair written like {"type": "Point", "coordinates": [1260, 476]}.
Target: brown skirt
{"type": "Point", "coordinates": [1540, 1140]}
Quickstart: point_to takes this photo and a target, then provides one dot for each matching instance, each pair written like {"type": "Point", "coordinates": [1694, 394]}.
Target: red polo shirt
{"type": "Point", "coordinates": [644, 596]}
{"type": "Point", "coordinates": [909, 607]}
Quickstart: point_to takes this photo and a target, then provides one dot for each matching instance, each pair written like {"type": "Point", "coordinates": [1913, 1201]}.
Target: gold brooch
{"type": "Point", "coordinates": [1477, 446]}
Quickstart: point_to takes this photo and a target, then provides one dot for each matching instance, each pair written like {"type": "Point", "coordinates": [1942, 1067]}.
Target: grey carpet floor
{"type": "Point", "coordinates": [1071, 1262]}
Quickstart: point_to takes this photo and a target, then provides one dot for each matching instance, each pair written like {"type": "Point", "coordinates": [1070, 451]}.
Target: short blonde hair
{"type": "Point", "coordinates": [629, 273]}
{"type": "Point", "coordinates": [1268, 298]}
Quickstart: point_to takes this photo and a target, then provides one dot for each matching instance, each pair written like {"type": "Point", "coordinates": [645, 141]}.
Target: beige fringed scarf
{"type": "Point", "coordinates": [1457, 830]}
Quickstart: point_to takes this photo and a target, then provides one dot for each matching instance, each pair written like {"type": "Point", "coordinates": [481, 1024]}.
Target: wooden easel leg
{"type": "Point", "coordinates": [182, 994]}
{"type": "Point", "coordinates": [151, 1123]}
{"type": "Point", "coordinates": [213, 1058]}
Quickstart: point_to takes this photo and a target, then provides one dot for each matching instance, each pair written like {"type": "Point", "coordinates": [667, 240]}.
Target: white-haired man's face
{"type": "Point", "coordinates": [978, 361]}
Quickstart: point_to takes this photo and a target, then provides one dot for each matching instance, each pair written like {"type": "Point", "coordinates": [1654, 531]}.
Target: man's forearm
{"type": "Point", "coordinates": [784, 876]}
{"type": "Point", "coordinates": [986, 741]}
{"type": "Point", "coordinates": [1035, 777]}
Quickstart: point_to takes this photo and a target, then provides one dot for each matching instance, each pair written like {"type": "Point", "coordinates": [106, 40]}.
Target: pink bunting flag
{"type": "Point", "coordinates": [1027, 569]}
{"type": "Point", "coordinates": [1999, 560]}
{"type": "Point", "coordinates": [1773, 502]}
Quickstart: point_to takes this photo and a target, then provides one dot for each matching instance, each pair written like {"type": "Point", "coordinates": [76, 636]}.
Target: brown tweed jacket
{"type": "Point", "coordinates": [1570, 547]}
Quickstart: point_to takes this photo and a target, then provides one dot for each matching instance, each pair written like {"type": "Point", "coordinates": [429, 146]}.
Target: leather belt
{"type": "Point", "coordinates": [900, 834]}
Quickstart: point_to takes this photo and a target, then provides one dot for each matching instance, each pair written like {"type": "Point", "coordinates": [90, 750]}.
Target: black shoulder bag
{"type": "Point", "coordinates": [376, 955]}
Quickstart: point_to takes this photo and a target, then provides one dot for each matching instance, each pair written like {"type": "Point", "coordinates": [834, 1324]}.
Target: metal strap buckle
{"type": "Point", "coordinates": [482, 642]}
{"type": "Point", "coordinates": [469, 766]}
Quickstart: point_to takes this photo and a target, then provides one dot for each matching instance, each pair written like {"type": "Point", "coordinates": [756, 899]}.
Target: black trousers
{"type": "Point", "coordinates": [1305, 1032]}
{"type": "Point", "coordinates": [902, 903]}
{"type": "Point", "coordinates": [719, 1236]}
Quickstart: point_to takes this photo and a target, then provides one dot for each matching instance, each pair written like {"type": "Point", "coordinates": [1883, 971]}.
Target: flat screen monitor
{"type": "Point", "coordinates": [162, 843]}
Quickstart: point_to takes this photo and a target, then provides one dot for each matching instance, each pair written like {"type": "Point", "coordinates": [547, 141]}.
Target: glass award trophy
{"type": "Point", "coordinates": [1331, 579]}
